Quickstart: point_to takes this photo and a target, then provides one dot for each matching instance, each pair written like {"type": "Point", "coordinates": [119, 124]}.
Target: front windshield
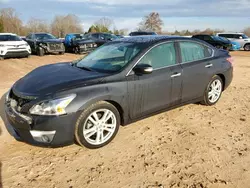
{"type": "Point", "coordinates": [219, 38]}
{"type": "Point", "coordinates": [244, 36]}
{"type": "Point", "coordinates": [10, 38]}
{"type": "Point", "coordinates": [43, 36]}
{"type": "Point", "coordinates": [79, 36]}
{"type": "Point", "coordinates": [223, 39]}
{"type": "Point", "coordinates": [111, 57]}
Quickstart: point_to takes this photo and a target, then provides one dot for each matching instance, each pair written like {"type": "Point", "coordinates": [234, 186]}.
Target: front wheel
{"type": "Point", "coordinates": [40, 51]}
{"type": "Point", "coordinates": [213, 91]}
{"type": "Point", "coordinates": [97, 125]}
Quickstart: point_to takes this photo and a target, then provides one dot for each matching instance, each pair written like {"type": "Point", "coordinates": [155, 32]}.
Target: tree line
{"type": "Point", "coordinates": [62, 24]}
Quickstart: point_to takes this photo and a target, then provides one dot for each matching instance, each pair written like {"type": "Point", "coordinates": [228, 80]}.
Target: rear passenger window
{"type": "Point", "coordinates": [191, 51]}
{"type": "Point", "coordinates": [160, 56]}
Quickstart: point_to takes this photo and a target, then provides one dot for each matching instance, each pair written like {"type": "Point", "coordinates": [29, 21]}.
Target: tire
{"type": "Point", "coordinates": [108, 129]}
{"type": "Point", "coordinates": [1, 58]}
{"type": "Point", "coordinates": [40, 52]}
{"type": "Point", "coordinates": [247, 47]}
{"type": "Point", "coordinates": [61, 53]}
{"type": "Point", "coordinates": [210, 98]}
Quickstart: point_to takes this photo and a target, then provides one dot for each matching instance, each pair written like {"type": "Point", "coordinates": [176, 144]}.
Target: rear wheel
{"type": "Point", "coordinates": [61, 53]}
{"type": "Point", "coordinates": [247, 47]}
{"type": "Point", "coordinates": [213, 91]}
{"type": "Point", "coordinates": [1, 58]}
{"type": "Point", "coordinates": [40, 51]}
{"type": "Point", "coordinates": [97, 125]}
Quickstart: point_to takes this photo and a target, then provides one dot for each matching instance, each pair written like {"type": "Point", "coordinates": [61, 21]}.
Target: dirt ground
{"type": "Point", "coordinates": [192, 147]}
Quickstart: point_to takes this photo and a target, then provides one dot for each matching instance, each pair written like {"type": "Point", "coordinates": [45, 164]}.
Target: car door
{"type": "Point", "coordinates": [198, 68]}
{"type": "Point", "coordinates": [153, 92]}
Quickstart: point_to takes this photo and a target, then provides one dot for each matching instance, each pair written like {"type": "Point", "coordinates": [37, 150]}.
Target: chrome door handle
{"type": "Point", "coordinates": [176, 75]}
{"type": "Point", "coordinates": [209, 65]}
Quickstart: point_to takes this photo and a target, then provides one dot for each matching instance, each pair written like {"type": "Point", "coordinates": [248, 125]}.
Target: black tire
{"type": "Point", "coordinates": [40, 51]}
{"type": "Point", "coordinates": [83, 118]}
{"type": "Point", "coordinates": [247, 47]}
{"type": "Point", "coordinates": [206, 100]}
{"type": "Point", "coordinates": [61, 53]}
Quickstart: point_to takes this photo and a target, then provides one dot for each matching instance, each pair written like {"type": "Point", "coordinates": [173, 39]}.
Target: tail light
{"type": "Point", "coordinates": [230, 60]}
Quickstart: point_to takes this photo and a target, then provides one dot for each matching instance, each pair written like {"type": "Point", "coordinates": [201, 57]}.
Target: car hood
{"type": "Point", "coordinates": [53, 78]}
{"type": "Point", "coordinates": [51, 41]}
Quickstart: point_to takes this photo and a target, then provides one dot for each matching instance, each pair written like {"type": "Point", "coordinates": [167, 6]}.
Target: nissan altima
{"type": "Point", "coordinates": [123, 81]}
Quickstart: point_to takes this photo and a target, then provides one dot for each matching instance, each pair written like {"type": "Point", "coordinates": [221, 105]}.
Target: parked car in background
{"type": "Point", "coordinates": [45, 43]}
{"type": "Point", "coordinates": [120, 36]}
{"type": "Point", "coordinates": [215, 41]}
{"type": "Point", "coordinates": [78, 43]}
{"type": "Point", "coordinates": [12, 45]}
{"type": "Point", "coordinates": [101, 38]}
{"type": "Point", "coordinates": [118, 83]}
{"type": "Point", "coordinates": [235, 45]}
{"type": "Point", "coordinates": [237, 37]}
{"type": "Point", "coordinates": [138, 33]}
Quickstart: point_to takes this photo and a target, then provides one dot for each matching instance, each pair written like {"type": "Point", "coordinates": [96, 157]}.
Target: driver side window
{"type": "Point", "coordinates": [160, 56]}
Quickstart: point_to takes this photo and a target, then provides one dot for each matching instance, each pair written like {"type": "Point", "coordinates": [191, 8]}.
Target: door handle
{"type": "Point", "coordinates": [176, 75]}
{"type": "Point", "coordinates": [209, 65]}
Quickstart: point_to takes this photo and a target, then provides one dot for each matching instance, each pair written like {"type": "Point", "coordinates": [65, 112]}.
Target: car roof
{"type": "Point", "coordinates": [153, 39]}
{"type": "Point", "coordinates": [231, 33]}
{"type": "Point", "coordinates": [8, 34]}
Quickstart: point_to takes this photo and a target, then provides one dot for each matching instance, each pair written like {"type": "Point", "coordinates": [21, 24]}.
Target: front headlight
{"type": "Point", "coordinates": [52, 107]}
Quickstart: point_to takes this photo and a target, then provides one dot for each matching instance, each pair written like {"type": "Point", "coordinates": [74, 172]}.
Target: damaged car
{"type": "Point", "coordinates": [45, 43]}
{"type": "Point", "coordinates": [77, 43]}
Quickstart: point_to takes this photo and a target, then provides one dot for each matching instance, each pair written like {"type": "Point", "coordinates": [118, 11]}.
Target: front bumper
{"type": "Point", "coordinates": [41, 130]}
{"type": "Point", "coordinates": [16, 54]}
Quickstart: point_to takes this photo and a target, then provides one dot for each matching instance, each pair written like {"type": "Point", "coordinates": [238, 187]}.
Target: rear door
{"type": "Point", "coordinates": [153, 92]}
{"type": "Point", "coordinates": [198, 68]}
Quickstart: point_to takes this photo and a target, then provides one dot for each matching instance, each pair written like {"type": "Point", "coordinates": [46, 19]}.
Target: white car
{"type": "Point", "coordinates": [237, 37]}
{"type": "Point", "coordinates": [12, 45]}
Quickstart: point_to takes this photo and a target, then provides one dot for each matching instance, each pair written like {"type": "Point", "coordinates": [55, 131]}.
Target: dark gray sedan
{"type": "Point", "coordinates": [118, 83]}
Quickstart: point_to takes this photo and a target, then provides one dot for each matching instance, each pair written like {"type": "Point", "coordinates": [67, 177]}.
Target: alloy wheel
{"type": "Point", "coordinates": [99, 126]}
{"type": "Point", "coordinates": [215, 90]}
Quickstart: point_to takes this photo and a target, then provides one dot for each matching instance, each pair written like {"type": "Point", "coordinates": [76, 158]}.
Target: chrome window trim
{"type": "Point", "coordinates": [165, 42]}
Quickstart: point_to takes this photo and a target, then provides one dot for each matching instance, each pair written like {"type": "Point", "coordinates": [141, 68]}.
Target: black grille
{"type": "Point", "coordinates": [55, 46]}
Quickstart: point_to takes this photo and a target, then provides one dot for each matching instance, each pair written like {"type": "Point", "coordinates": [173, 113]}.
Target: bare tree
{"type": "Point", "coordinates": [61, 25]}
{"type": "Point", "coordinates": [152, 22]}
{"type": "Point", "coordinates": [247, 31]}
{"type": "Point", "coordinates": [104, 24]}
{"type": "Point", "coordinates": [37, 25]}
{"type": "Point", "coordinates": [11, 21]}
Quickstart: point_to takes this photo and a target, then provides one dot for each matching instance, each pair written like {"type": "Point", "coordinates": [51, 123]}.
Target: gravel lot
{"type": "Point", "coordinates": [192, 147]}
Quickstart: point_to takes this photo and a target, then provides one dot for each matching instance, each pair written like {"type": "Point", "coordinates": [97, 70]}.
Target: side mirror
{"type": "Point", "coordinates": [143, 69]}
{"type": "Point", "coordinates": [102, 38]}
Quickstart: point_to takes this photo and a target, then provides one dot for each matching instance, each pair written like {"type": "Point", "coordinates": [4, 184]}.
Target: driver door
{"type": "Point", "coordinates": [149, 93]}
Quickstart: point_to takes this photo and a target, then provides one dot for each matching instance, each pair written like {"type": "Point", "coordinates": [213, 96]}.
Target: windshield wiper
{"type": "Point", "coordinates": [82, 67]}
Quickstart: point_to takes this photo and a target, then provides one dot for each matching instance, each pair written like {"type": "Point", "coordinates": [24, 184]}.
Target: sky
{"type": "Point", "coordinates": [230, 15]}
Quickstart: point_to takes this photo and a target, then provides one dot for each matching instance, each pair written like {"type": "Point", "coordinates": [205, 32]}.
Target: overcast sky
{"type": "Point", "coordinates": [231, 15]}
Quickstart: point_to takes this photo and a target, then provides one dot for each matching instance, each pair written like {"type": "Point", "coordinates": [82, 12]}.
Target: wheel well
{"type": "Point", "coordinates": [246, 44]}
{"type": "Point", "coordinates": [119, 108]}
{"type": "Point", "coordinates": [223, 80]}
